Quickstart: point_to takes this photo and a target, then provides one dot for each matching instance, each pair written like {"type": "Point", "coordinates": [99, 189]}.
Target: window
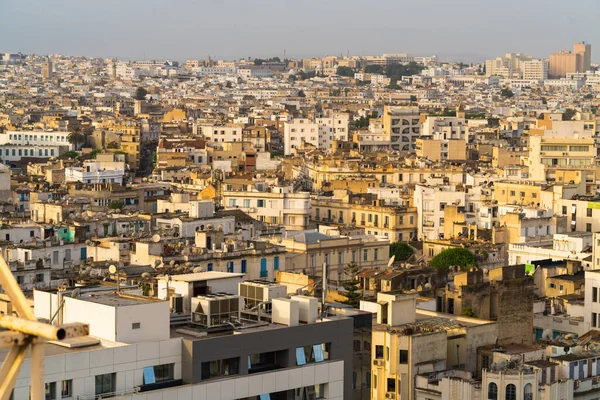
{"type": "Point", "coordinates": [564, 210]}
{"type": "Point", "coordinates": [589, 212]}
{"type": "Point", "coordinates": [512, 193]}
{"type": "Point", "coordinates": [246, 203]}
{"type": "Point", "coordinates": [263, 268]}
{"type": "Point", "coordinates": [106, 384]}
{"type": "Point", "coordinates": [67, 388]}
{"type": "Point", "coordinates": [353, 256]}
{"type": "Point", "coordinates": [215, 369]}
{"type": "Point", "coordinates": [595, 295]}
{"type": "Point", "coordinates": [260, 203]}
{"type": "Point", "coordinates": [276, 263]}
{"type": "Point", "coordinates": [39, 277]}
{"type": "Point", "coordinates": [378, 351]}
{"type": "Point", "coordinates": [511, 392]}
{"type": "Point", "coordinates": [588, 227]}
{"type": "Point", "coordinates": [135, 325]}
{"type": "Point", "coordinates": [356, 345]}
{"type": "Point", "coordinates": [376, 254]}
{"type": "Point", "coordinates": [403, 356]}
{"type": "Point", "coordinates": [391, 385]}
{"type": "Point", "coordinates": [50, 389]}
{"type": "Point", "coordinates": [492, 391]}
{"type": "Point", "coordinates": [365, 255]}
{"type": "Point", "coordinates": [244, 266]}
{"type": "Point", "coordinates": [340, 258]}
{"type": "Point", "coordinates": [164, 372]}
{"type": "Point", "coordinates": [594, 319]}
{"type": "Point", "coordinates": [374, 381]}
{"type": "Point", "coordinates": [528, 392]}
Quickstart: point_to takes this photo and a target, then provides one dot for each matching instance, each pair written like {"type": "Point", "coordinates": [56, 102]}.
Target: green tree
{"type": "Point", "coordinates": [468, 312]}
{"type": "Point", "coordinates": [353, 294]}
{"type": "Point", "coordinates": [568, 114]}
{"type": "Point", "coordinates": [413, 98]}
{"type": "Point", "coordinates": [457, 256]}
{"type": "Point", "coordinates": [116, 205]}
{"type": "Point", "coordinates": [140, 93]}
{"type": "Point", "coordinates": [70, 154]}
{"type": "Point", "coordinates": [345, 71]}
{"type": "Point", "coordinates": [94, 153]}
{"type": "Point", "coordinates": [373, 69]}
{"type": "Point", "coordinates": [301, 93]}
{"type": "Point", "coordinates": [507, 93]}
{"type": "Point", "coordinates": [401, 250]}
{"type": "Point", "coordinates": [394, 86]}
{"type": "Point", "coordinates": [75, 136]}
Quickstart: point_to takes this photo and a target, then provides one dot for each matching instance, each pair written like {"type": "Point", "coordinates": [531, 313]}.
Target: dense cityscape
{"type": "Point", "coordinates": [344, 227]}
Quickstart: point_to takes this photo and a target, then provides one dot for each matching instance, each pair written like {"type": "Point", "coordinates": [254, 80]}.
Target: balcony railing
{"type": "Point", "coordinates": [125, 392]}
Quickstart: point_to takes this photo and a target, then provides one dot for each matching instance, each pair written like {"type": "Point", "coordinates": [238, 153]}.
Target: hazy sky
{"type": "Point", "coordinates": [182, 29]}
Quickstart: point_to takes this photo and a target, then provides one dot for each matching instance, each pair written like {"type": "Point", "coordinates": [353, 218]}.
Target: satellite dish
{"type": "Point", "coordinates": [146, 275]}
{"type": "Point", "coordinates": [112, 269]}
{"type": "Point", "coordinates": [547, 334]}
{"type": "Point", "coordinates": [566, 349]}
{"type": "Point", "coordinates": [391, 262]}
{"type": "Point", "coordinates": [156, 263]}
{"type": "Point", "coordinates": [156, 238]}
{"type": "Point", "coordinates": [428, 286]}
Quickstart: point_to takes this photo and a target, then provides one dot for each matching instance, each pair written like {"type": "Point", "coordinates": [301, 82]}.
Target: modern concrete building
{"type": "Point", "coordinates": [402, 126]}
{"type": "Point", "coordinates": [135, 349]}
{"type": "Point", "coordinates": [535, 70]}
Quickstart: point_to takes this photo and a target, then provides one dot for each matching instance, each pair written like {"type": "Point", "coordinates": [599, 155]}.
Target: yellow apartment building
{"type": "Point", "coordinates": [397, 223]}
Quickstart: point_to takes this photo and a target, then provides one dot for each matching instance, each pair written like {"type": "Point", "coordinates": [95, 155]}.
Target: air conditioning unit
{"type": "Point", "coordinates": [378, 363]}
{"type": "Point", "coordinates": [390, 395]}
{"type": "Point", "coordinates": [576, 384]}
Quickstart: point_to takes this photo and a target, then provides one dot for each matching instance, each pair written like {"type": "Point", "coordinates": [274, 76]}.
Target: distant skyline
{"type": "Point", "coordinates": [459, 30]}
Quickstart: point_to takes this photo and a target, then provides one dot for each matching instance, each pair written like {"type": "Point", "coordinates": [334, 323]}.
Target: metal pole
{"type": "Point", "coordinates": [37, 370]}
{"type": "Point", "coordinates": [10, 370]}
{"type": "Point", "coordinates": [51, 332]}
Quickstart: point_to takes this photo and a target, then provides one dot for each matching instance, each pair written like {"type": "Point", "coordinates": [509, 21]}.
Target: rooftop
{"type": "Point", "coordinates": [202, 276]}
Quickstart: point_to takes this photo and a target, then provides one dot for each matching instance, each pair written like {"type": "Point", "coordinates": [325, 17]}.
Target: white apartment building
{"type": "Point", "coordinates": [131, 351]}
{"type": "Point", "coordinates": [562, 246]}
{"type": "Point", "coordinates": [96, 172]}
{"type": "Point", "coordinates": [254, 73]}
{"type": "Point", "coordinates": [278, 205]}
{"type": "Point", "coordinates": [221, 133]}
{"type": "Point", "coordinates": [430, 202]}
{"type": "Point", "coordinates": [535, 70]}
{"type": "Point", "coordinates": [40, 138]}
{"type": "Point", "coordinates": [332, 128]}
{"type": "Point", "coordinates": [591, 308]}
{"type": "Point", "coordinates": [297, 131]}
{"type": "Point", "coordinates": [509, 66]}
{"type": "Point", "coordinates": [449, 127]}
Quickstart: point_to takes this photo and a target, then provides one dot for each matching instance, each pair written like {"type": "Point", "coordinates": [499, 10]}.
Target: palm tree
{"type": "Point", "coordinates": [75, 137]}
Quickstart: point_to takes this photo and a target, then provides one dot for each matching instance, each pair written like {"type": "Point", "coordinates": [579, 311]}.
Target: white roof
{"type": "Point", "coordinates": [203, 276]}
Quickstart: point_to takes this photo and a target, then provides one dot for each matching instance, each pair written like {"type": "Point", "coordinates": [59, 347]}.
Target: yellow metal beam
{"type": "Point", "coordinates": [39, 329]}
{"type": "Point", "coordinates": [12, 288]}
{"type": "Point", "coordinates": [10, 370]}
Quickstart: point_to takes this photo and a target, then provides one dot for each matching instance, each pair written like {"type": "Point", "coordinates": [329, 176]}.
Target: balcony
{"type": "Point", "coordinates": [126, 392]}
